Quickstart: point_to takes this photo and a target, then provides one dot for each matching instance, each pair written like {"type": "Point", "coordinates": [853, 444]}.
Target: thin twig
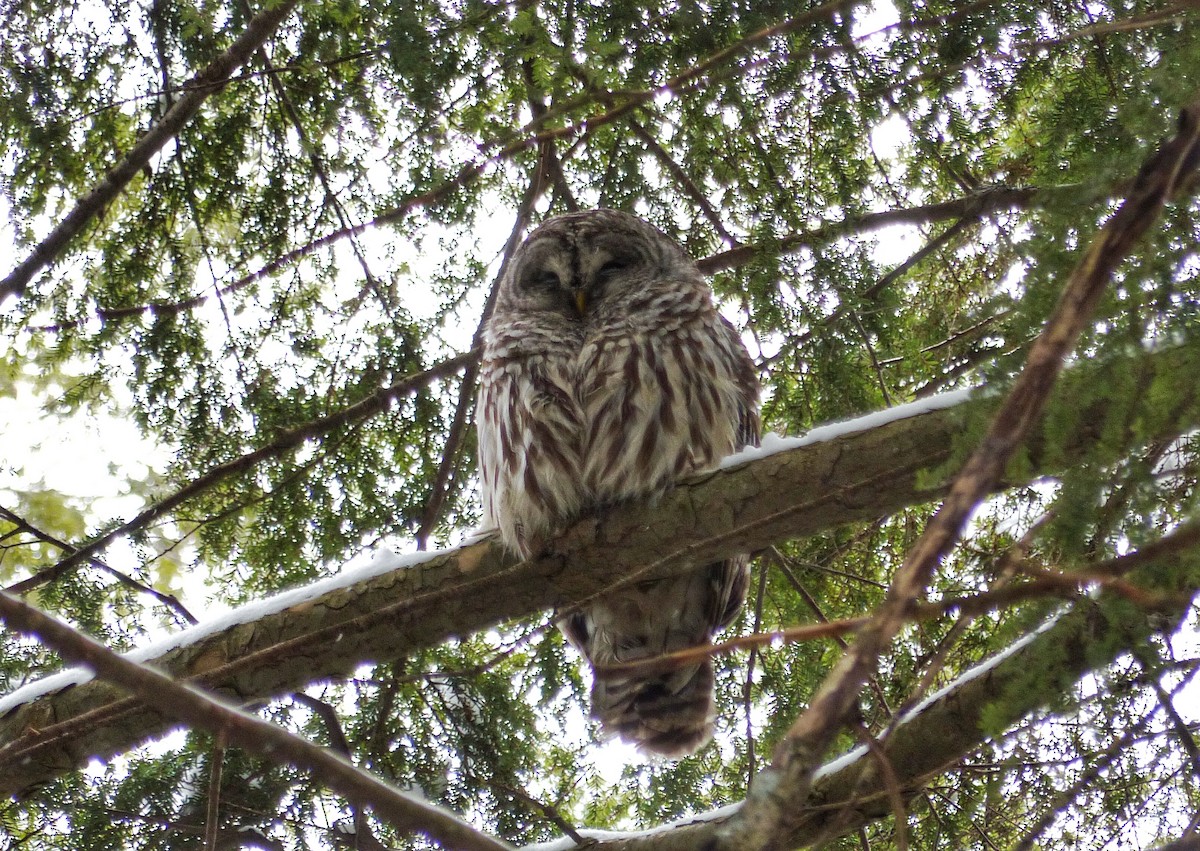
{"type": "Point", "coordinates": [685, 182]}
{"type": "Point", "coordinates": [748, 683]}
{"type": "Point", "coordinates": [891, 783]}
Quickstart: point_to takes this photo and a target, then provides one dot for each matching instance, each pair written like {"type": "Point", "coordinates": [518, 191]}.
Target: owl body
{"type": "Point", "coordinates": [607, 374]}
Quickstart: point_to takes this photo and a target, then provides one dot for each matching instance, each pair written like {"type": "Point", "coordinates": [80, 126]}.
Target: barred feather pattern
{"type": "Point", "coordinates": [607, 374]}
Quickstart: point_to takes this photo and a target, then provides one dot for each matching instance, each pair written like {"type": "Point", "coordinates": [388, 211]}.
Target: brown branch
{"type": "Point", "coordinates": [212, 816]}
{"type": "Point", "coordinates": [788, 781]}
{"type": "Point", "coordinates": [1069, 584]}
{"type": "Point", "coordinates": [685, 182]}
{"type": "Point", "coordinates": [891, 785]}
{"type": "Point", "coordinates": [287, 441]}
{"type": "Point", "coordinates": [550, 168]}
{"type": "Point", "coordinates": [548, 810]}
{"type": "Point", "coordinates": [252, 734]}
{"type": "Point", "coordinates": [209, 81]}
{"type": "Point", "coordinates": [969, 207]}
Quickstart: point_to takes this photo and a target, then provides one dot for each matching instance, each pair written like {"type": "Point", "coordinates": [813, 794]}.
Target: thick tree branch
{"type": "Point", "coordinates": [327, 632]}
{"type": "Point", "coordinates": [212, 79]}
{"type": "Point", "coordinates": [261, 738]}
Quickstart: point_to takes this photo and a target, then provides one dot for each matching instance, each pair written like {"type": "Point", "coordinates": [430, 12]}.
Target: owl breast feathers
{"type": "Point", "coordinates": [607, 374]}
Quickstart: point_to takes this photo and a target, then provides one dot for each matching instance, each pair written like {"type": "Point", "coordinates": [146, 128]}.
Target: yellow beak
{"type": "Point", "coordinates": [580, 300]}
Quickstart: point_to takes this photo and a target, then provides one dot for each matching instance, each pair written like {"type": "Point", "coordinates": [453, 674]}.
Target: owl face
{"type": "Point", "coordinates": [580, 265]}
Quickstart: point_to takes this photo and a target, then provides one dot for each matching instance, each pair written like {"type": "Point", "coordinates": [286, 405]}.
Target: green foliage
{"type": "Point", "coordinates": [231, 295]}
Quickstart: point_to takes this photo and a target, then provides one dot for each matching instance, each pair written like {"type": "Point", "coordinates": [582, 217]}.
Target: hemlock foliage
{"type": "Point", "coordinates": [232, 294]}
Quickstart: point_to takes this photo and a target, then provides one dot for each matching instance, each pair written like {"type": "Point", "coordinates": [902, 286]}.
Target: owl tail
{"type": "Point", "coordinates": [670, 715]}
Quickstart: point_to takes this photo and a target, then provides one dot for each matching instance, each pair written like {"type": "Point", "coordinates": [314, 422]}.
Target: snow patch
{"type": "Point", "coordinates": [773, 443]}
{"type": "Point", "coordinates": [381, 562]}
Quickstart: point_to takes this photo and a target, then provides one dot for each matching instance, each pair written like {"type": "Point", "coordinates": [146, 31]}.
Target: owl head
{"type": "Point", "coordinates": [575, 265]}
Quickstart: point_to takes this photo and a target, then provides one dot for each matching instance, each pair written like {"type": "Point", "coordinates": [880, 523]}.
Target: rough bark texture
{"type": "Point", "coordinates": [791, 494]}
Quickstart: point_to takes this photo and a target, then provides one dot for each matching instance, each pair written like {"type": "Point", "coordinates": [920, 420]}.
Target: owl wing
{"type": "Point", "coordinates": [528, 427]}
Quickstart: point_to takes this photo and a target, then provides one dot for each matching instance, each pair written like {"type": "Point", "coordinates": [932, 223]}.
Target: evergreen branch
{"type": "Point", "coordinates": [499, 150]}
{"type": "Point", "coordinates": [265, 740]}
{"type": "Point", "coordinates": [978, 204]}
{"type": "Point", "coordinates": [311, 147]}
{"type": "Point", "coordinates": [788, 781]}
{"type": "Point", "coordinates": [209, 81]}
{"type": "Point", "coordinates": [684, 180]}
{"type": "Point", "coordinates": [286, 441]}
{"type": "Point", "coordinates": [821, 484]}
{"type": "Point", "coordinates": [1179, 13]}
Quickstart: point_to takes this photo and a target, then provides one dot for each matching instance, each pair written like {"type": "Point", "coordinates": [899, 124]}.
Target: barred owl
{"type": "Point", "coordinates": [607, 374]}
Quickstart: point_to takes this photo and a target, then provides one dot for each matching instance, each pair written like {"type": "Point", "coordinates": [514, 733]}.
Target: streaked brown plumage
{"type": "Point", "coordinates": [608, 374]}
